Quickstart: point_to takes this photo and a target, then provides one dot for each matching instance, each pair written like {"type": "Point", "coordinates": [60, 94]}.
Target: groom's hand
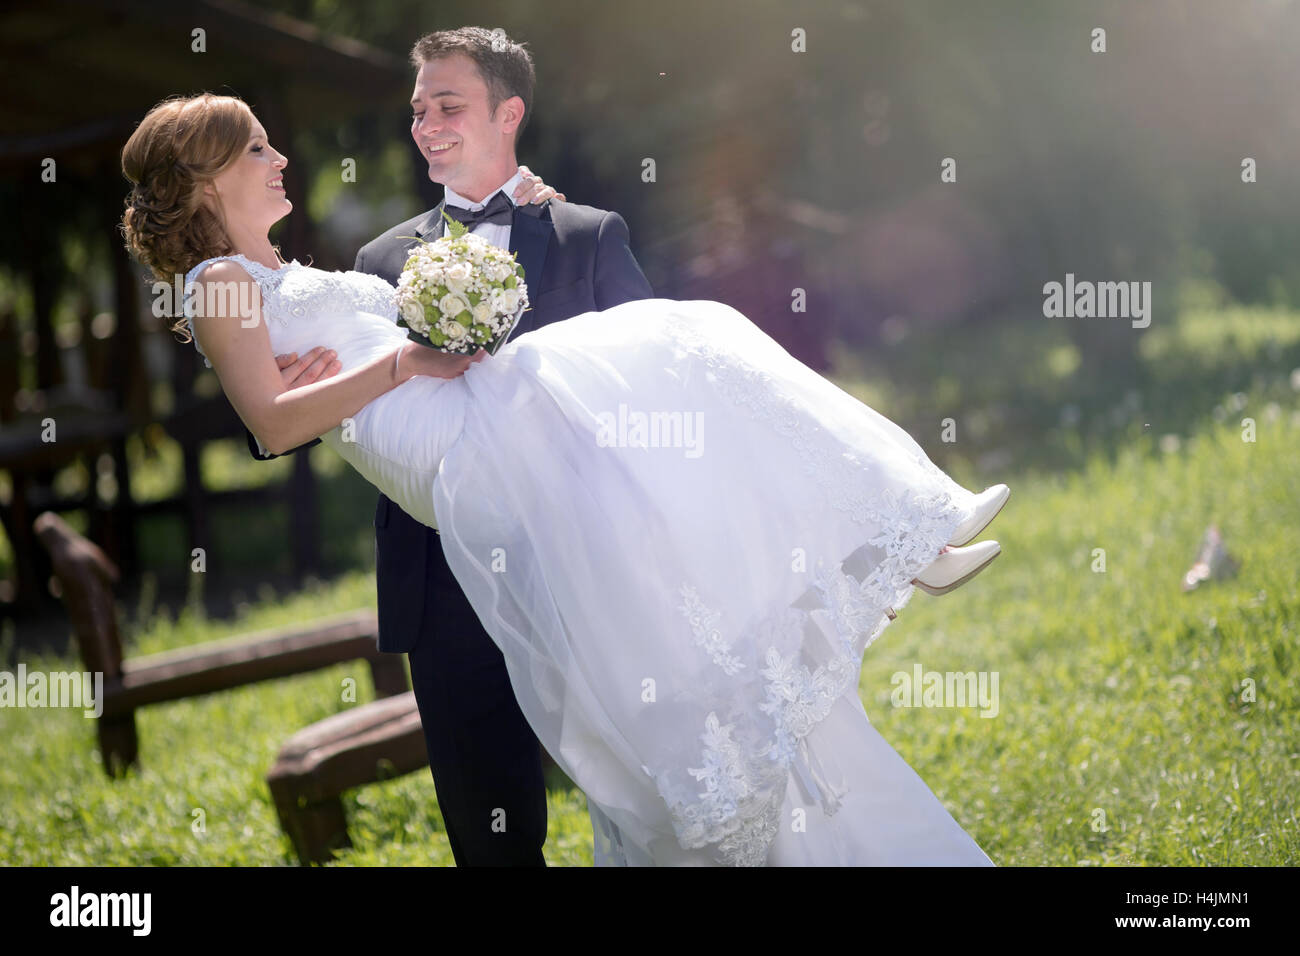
{"type": "Point", "coordinates": [318, 364]}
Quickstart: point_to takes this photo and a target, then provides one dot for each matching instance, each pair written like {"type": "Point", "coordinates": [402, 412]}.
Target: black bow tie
{"type": "Point", "coordinates": [499, 210]}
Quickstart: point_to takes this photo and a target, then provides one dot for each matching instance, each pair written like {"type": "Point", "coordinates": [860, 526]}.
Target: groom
{"type": "Point", "coordinates": [473, 97]}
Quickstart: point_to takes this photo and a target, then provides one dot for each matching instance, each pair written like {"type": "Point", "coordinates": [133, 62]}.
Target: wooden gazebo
{"type": "Point", "coordinates": [77, 78]}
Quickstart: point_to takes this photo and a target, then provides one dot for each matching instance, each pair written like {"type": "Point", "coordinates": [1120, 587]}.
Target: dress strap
{"type": "Point", "coordinates": [268, 279]}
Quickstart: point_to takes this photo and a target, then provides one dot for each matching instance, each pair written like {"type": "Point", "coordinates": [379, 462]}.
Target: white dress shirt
{"type": "Point", "coordinates": [494, 232]}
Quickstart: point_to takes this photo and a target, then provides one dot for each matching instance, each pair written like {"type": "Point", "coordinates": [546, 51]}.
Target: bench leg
{"type": "Point", "coordinates": [388, 671]}
{"type": "Point", "coordinates": [314, 829]}
{"type": "Point", "coordinates": [118, 744]}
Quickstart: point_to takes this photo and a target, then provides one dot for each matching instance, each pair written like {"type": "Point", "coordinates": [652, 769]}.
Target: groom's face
{"type": "Point", "coordinates": [466, 147]}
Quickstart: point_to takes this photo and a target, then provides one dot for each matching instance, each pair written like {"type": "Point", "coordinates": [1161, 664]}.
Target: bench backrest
{"type": "Point", "coordinates": [87, 577]}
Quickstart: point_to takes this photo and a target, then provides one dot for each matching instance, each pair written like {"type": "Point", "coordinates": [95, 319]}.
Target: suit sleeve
{"type": "Point", "coordinates": [618, 275]}
{"type": "Point", "coordinates": [261, 454]}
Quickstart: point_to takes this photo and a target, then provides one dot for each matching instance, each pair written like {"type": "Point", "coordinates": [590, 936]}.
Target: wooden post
{"type": "Point", "coordinates": [17, 518]}
{"type": "Point", "coordinates": [43, 267]}
{"type": "Point", "coordinates": [197, 524]}
{"type": "Point", "coordinates": [88, 577]}
{"type": "Point", "coordinates": [304, 528]}
{"type": "Point", "coordinates": [388, 672]}
{"type": "Point", "coordinates": [131, 387]}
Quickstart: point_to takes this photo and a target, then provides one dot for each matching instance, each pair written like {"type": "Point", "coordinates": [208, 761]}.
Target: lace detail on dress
{"type": "Point", "coordinates": [704, 624]}
{"type": "Point", "coordinates": [798, 699]}
{"type": "Point", "coordinates": [744, 785]}
{"type": "Point", "coordinates": [740, 806]}
{"type": "Point", "coordinates": [746, 762]}
{"type": "Point", "coordinates": [295, 291]}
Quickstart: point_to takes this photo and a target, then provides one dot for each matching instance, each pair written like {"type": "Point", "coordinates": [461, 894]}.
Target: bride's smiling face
{"type": "Point", "coordinates": [250, 192]}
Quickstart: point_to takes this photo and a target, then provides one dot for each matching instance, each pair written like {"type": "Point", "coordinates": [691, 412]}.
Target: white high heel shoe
{"type": "Point", "coordinates": [955, 566]}
{"type": "Point", "coordinates": [988, 503]}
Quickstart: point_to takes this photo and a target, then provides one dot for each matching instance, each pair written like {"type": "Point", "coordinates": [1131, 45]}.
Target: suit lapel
{"type": "Point", "coordinates": [530, 236]}
{"type": "Point", "coordinates": [431, 228]}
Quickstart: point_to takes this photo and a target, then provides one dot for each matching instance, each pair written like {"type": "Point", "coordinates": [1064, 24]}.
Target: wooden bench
{"type": "Point", "coordinates": [87, 577]}
{"type": "Point", "coordinates": [370, 743]}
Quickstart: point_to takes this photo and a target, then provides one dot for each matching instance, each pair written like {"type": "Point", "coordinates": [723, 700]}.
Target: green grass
{"type": "Point", "coordinates": [1121, 696]}
{"type": "Point", "coordinates": [1123, 736]}
{"type": "Point", "coordinates": [205, 760]}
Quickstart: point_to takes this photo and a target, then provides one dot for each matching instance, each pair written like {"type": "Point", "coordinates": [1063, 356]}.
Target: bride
{"type": "Point", "coordinates": [681, 538]}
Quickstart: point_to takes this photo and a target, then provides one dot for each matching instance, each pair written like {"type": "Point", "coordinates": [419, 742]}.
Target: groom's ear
{"type": "Point", "coordinates": [514, 106]}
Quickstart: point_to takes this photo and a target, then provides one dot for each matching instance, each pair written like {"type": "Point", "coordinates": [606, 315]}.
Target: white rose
{"type": "Point", "coordinates": [509, 300]}
{"type": "Point", "coordinates": [452, 305]}
{"type": "Point", "coordinates": [458, 276]}
{"type": "Point", "coordinates": [413, 313]}
{"type": "Point", "coordinates": [455, 330]}
{"type": "Point", "coordinates": [483, 312]}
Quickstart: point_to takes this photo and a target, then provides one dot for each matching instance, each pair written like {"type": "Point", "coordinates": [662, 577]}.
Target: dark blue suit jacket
{"type": "Point", "coordinates": [576, 259]}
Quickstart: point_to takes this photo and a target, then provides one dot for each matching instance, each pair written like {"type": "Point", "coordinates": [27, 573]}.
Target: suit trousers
{"type": "Point", "coordinates": [485, 759]}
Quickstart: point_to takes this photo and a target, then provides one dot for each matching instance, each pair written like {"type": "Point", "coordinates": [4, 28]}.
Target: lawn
{"type": "Point", "coordinates": [1136, 724]}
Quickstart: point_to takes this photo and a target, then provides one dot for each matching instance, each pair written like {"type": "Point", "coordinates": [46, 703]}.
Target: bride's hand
{"type": "Point", "coordinates": [422, 360]}
{"type": "Point", "coordinates": [531, 189]}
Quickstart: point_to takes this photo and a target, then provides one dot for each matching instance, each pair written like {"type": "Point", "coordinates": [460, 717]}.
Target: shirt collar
{"type": "Point", "coordinates": [453, 198]}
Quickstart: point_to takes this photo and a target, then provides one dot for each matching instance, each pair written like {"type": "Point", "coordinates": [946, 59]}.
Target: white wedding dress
{"type": "Point", "coordinates": [641, 579]}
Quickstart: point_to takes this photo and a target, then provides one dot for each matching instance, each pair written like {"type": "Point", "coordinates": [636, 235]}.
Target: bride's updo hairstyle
{"type": "Point", "coordinates": [182, 144]}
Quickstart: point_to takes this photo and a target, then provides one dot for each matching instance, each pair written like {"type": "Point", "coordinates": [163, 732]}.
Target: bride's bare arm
{"type": "Point", "coordinates": [237, 343]}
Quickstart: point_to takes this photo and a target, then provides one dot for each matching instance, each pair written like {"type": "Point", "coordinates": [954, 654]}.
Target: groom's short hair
{"type": "Point", "coordinates": [506, 67]}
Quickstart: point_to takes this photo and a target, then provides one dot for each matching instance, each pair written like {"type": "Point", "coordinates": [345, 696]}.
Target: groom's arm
{"type": "Point", "coordinates": [618, 275]}
{"type": "Point", "coordinates": [372, 264]}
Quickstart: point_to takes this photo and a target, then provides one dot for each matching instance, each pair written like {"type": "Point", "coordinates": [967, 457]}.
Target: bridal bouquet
{"type": "Point", "coordinates": [460, 293]}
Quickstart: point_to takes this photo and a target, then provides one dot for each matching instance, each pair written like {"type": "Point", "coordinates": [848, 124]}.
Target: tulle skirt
{"type": "Point", "coordinates": [650, 510]}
